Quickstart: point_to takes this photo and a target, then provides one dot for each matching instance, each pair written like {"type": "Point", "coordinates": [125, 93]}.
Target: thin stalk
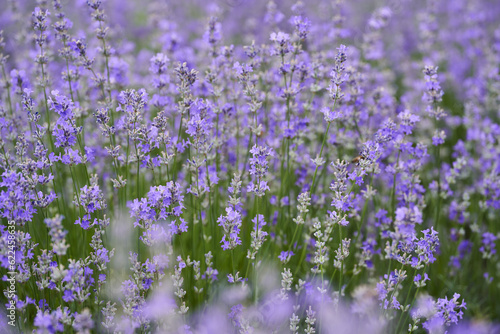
{"type": "Point", "coordinates": [438, 208]}
{"type": "Point", "coordinates": [406, 300]}
{"type": "Point", "coordinates": [7, 88]}
{"type": "Point", "coordinates": [255, 298]}
{"type": "Point", "coordinates": [314, 178]}
{"type": "Point", "coordinates": [342, 264]}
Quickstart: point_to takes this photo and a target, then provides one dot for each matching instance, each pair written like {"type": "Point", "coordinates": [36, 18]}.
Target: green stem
{"type": "Point", "coordinates": [393, 192]}
{"type": "Point", "coordinates": [342, 264]}
{"type": "Point", "coordinates": [7, 88]}
{"type": "Point", "coordinates": [320, 154]}
{"type": "Point", "coordinates": [438, 208]}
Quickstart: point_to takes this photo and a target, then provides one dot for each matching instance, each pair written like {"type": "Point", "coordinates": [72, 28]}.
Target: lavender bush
{"type": "Point", "coordinates": [250, 166]}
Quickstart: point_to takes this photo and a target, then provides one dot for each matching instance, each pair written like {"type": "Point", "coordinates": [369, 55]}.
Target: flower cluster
{"type": "Point", "coordinates": [65, 132]}
{"type": "Point", "coordinates": [258, 168]}
{"type": "Point", "coordinates": [336, 163]}
{"type": "Point", "coordinates": [91, 199]}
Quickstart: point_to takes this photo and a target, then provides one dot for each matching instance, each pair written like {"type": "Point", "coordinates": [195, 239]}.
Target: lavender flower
{"type": "Point", "coordinates": [488, 247]}
{"type": "Point", "coordinates": [65, 132]}
{"type": "Point", "coordinates": [447, 312]}
{"type": "Point", "coordinates": [258, 168]}
{"type": "Point", "coordinates": [196, 143]}
{"type": "Point", "coordinates": [282, 43]}
{"type": "Point", "coordinates": [57, 235]}
{"type": "Point", "coordinates": [258, 236]}
{"type": "Point", "coordinates": [231, 224]}
{"type": "Point", "coordinates": [433, 93]}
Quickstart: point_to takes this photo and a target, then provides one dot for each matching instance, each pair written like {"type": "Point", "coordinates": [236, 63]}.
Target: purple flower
{"type": "Point", "coordinates": [161, 202]}
{"type": "Point", "coordinates": [488, 246]}
{"type": "Point", "coordinates": [285, 256]}
{"type": "Point", "coordinates": [339, 76]}
{"type": "Point", "coordinates": [231, 224]}
{"type": "Point", "coordinates": [158, 63]}
{"type": "Point", "coordinates": [302, 26]}
{"type": "Point", "coordinates": [433, 93]}
{"type": "Point", "coordinates": [213, 33]}
{"type": "Point", "coordinates": [447, 312]}
{"type": "Point", "coordinates": [65, 131]}
{"type": "Point", "coordinates": [235, 312]}
{"type": "Point", "coordinates": [258, 168]}
{"type": "Point", "coordinates": [91, 199]}
{"type": "Point", "coordinates": [258, 236]}
{"type": "Point", "coordinates": [282, 43]}
{"type": "Point", "coordinates": [48, 322]}
{"type": "Point", "coordinates": [83, 322]}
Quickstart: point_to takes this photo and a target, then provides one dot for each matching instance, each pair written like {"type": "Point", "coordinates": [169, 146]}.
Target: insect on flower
{"type": "Point", "coordinates": [357, 159]}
